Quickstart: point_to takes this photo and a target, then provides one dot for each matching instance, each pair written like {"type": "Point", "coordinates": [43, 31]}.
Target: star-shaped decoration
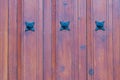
{"type": "Point", "coordinates": [29, 26]}
{"type": "Point", "coordinates": [100, 25]}
{"type": "Point", "coordinates": [65, 25]}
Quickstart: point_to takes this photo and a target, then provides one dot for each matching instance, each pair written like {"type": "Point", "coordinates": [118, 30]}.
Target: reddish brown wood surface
{"type": "Point", "coordinates": [89, 39]}
{"type": "Point", "coordinates": [99, 39]}
{"type": "Point", "coordinates": [32, 42]}
{"type": "Point", "coordinates": [53, 39]}
{"type": "Point", "coordinates": [4, 39]}
{"type": "Point", "coordinates": [12, 39]}
{"type": "Point", "coordinates": [82, 39]}
{"type": "Point", "coordinates": [51, 54]}
{"type": "Point", "coordinates": [116, 39]}
{"type": "Point", "coordinates": [101, 47]}
{"type": "Point", "coordinates": [19, 29]}
{"type": "Point", "coordinates": [64, 41]}
{"type": "Point", "coordinates": [47, 39]}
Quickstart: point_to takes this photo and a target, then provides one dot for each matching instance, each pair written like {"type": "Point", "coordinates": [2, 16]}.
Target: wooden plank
{"type": "Point", "coordinates": [76, 45]}
{"type": "Point", "coordinates": [19, 38]}
{"type": "Point", "coordinates": [69, 46]}
{"type": "Point", "coordinates": [31, 54]}
{"type": "Point", "coordinates": [109, 40]}
{"type": "Point", "coordinates": [12, 40]}
{"type": "Point", "coordinates": [107, 54]}
{"type": "Point", "coordinates": [116, 39]}
{"type": "Point", "coordinates": [90, 57]}
{"type": "Point", "coordinates": [82, 35]}
{"type": "Point", "coordinates": [47, 39]}
{"type": "Point", "coordinates": [64, 40]}
{"type": "Point", "coordinates": [4, 39]}
{"type": "Point", "coordinates": [53, 42]}
{"type": "Point", "coordinates": [99, 41]}
{"type": "Point", "coordinates": [39, 39]}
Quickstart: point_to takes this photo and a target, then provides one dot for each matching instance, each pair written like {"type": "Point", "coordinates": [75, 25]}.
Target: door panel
{"type": "Point", "coordinates": [64, 41]}
{"type": "Point", "coordinates": [29, 52]}
{"type": "Point", "coordinates": [100, 40]}
{"type": "Point", "coordinates": [71, 45]}
{"type": "Point", "coordinates": [32, 41]}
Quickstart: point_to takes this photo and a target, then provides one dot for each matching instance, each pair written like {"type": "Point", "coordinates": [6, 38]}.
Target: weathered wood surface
{"type": "Point", "coordinates": [51, 54]}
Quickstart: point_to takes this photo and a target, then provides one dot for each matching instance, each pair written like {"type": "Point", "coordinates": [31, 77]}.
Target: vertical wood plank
{"type": "Point", "coordinates": [76, 45]}
{"type": "Point", "coordinates": [99, 41]}
{"type": "Point", "coordinates": [90, 57]}
{"type": "Point", "coordinates": [109, 40]}
{"type": "Point", "coordinates": [53, 42]}
{"type": "Point", "coordinates": [39, 29]}
{"type": "Point", "coordinates": [4, 39]}
{"type": "Point", "coordinates": [32, 47]}
{"type": "Point", "coordinates": [12, 40]}
{"type": "Point", "coordinates": [29, 43]}
{"type": "Point", "coordinates": [116, 39]}
{"type": "Point", "coordinates": [100, 50]}
{"type": "Point", "coordinates": [70, 47]}
{"type": "Point", "coordinates": [19, 38]}
{"type": "Point", "coordinates": [47, 40]}
{"type": "Point", "coordinates": [82, 4]}
{"type": "Point", "coordinates": [64, 40]}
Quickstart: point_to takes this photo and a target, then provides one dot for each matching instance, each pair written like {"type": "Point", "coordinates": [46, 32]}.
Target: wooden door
{"type": "Point", "coordinates": [63, 43]}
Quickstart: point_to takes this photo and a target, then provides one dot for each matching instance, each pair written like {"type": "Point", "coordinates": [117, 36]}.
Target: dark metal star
{"type": "Point", "coordinates": [99, 26]}
{"type": "Point", "coordinates": [65, 25]}
{"type": "Point", "coordinates": [29, 26]}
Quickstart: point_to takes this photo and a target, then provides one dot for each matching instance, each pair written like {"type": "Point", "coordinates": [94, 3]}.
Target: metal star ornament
{"type": "Point", "coordinates": [64, 25]}
{"type": "Point", "coordinates": [29, 26]}
{"type": "Point", "coordinates": [100, 26]}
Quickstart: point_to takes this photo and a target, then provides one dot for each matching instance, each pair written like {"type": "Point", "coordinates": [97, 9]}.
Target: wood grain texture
{"type": "Point", "coordinates": [47, 6]}
{"type": "Point", "coordinates": [90, 57]}
{"type": "Point", "coordinates": [32, 42]}
{"type": "Point", "coordinates": [76, 45]}
{"type": "Point", "coordinates": [116, 39]}
{"type": "Point", "coordinates": [29, 49]}
{"type": "Point", "coordinates": [51, 54]}
{"type": "Point", "coordinates": [64, 40]}
{"type": "Point", "coordinates": [100, 49]}
{"type": "Point", "coordinates": [4, 39]}
{"type": "Point", "coordinates": [99, 41]}
{"type": "Point", "coordinates": [82, 35]}
{"type": "Point", "coordinates": [53, 42]}
{"type": "Point", "coordinates": [109, 32]}
{"type": "Point", "coordinates": [19, 39]}
{"type": "Point", "coordinates": [71, 45]}
{"type": "Point", "coordinates": [39, 40]}
{"type": "Point", "coordinates": [12, 74]}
